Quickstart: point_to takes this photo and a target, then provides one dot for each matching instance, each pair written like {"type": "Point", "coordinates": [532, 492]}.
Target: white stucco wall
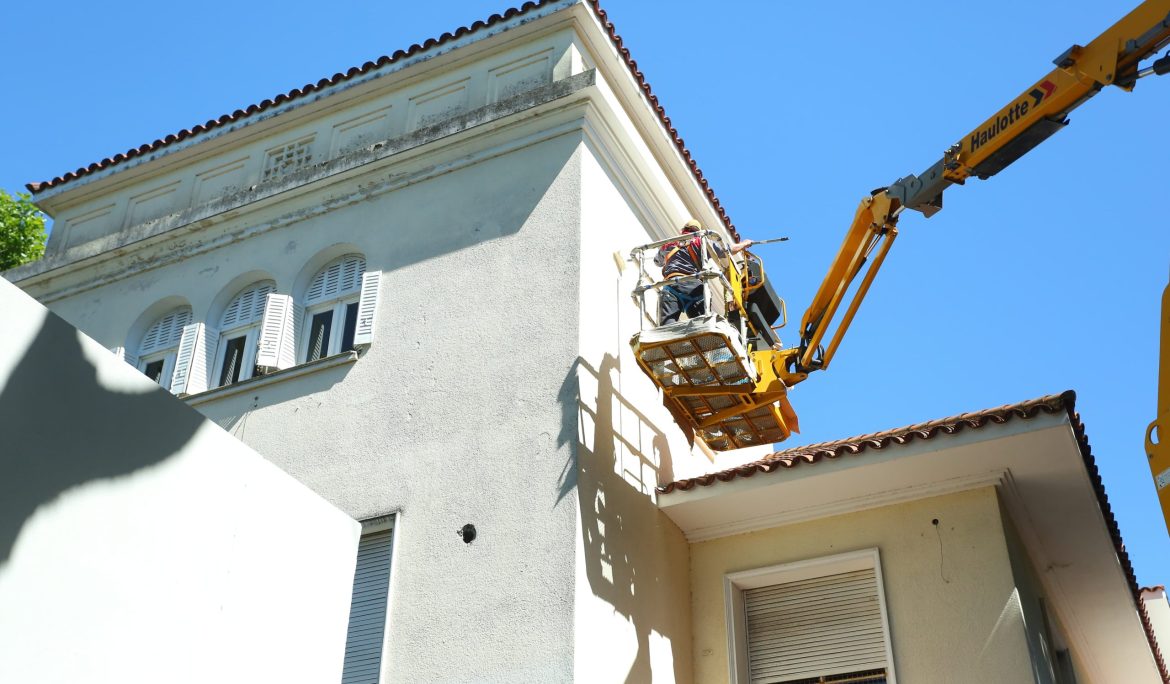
{"type": "Point", "coordinates": [499, 389]}
{"type": "Point", "coordinates": [457, 414]}
{"type": "Point", "coordinates": [462, 411]}
{"type": "Point", "coordinates": [632, 568]}
{"type": "Point", "coordinates": [953, 606]}
{"type": "Point", "coordinates": [139, 542]}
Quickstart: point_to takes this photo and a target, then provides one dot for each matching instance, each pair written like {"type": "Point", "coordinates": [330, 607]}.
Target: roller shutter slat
{"type": "Point", "coordinates": [367, 617]}
{"type": "Point", "coordinates": [817, 627]}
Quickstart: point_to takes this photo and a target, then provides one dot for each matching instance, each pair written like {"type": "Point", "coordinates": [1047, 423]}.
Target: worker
{"type": "Point", "coordinates": [681, 262]}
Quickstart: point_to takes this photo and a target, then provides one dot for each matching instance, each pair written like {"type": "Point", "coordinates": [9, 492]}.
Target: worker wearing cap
{"type": "Point", "coordinates": [681, 262]}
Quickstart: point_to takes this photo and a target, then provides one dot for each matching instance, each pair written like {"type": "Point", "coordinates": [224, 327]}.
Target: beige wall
{"type": "Point", "coordinates": [952, 603]}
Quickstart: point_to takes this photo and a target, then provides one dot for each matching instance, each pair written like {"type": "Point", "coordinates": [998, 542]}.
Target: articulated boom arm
{"type": "Point", "coordinates": [1026, 121]}
{"type": "Point", "coordinates": [1158, 433]}
{"type": "Point", "coordinates": [873, 228]}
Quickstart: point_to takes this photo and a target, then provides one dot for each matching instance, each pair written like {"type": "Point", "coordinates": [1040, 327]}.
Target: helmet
{"type": "Point", "coordinates": [692, 226]}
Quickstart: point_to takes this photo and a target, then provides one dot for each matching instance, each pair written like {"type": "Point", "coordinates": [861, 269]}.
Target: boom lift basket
{"type": "Point", "coordinates": [705, 366]}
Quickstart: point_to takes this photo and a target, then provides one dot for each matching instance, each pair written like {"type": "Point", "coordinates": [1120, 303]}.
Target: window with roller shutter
{"type": "Point", "coordinates": [820, 621]}
{"type": "Point", "coordinates": [367, 613]}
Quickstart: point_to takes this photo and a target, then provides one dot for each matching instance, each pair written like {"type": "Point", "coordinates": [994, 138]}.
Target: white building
{"type": "Point", "coordinates": [139, 541]}
{"type": "Point", "coordinates": [399, 286]}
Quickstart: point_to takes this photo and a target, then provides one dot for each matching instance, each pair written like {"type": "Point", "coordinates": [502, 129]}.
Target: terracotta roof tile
{"type": "Point", "coordinates": [856, 446]}
{"type": "Point", "coordinates": [853, 446]}
{"type": "Point", "coordinates": [280, 99]}
{"type": "Point", "coordinates": [310, 88]}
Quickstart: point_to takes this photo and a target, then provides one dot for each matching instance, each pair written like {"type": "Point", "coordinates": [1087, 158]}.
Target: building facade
{"type": "Point", "coordinates": [405, 286]}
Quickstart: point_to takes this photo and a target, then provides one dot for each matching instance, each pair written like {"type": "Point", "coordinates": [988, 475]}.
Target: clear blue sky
{"type": "Point", "coordinates": [1043, 279]}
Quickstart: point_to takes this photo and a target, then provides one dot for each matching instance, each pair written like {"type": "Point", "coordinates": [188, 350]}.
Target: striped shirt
{"type": "Point", "coordinates": [682, 258]}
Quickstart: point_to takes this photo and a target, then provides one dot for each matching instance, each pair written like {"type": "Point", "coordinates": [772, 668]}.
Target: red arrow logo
{"type": "Point", "coordinates": [1045, 90]}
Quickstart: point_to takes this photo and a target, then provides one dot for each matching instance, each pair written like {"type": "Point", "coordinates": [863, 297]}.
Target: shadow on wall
{"type": "Point", "coordinates": [59, 428]}
{"type": "Point", "coordinates": [626, 547]}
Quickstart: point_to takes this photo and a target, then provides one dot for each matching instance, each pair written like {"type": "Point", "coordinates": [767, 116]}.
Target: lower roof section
{"type": "Point", "coordinates": [1035, 453]}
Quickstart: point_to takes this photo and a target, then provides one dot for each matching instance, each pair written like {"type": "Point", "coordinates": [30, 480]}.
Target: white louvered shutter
{"type": "Point", "coordinates": [166, 332]}
{"type": "Point", "coordinates": [183, 358]}
{"type": "Point", "coordinates": [121, 353]}
{"type": "Point", "coordinates": [336, 280]}
{"type": "Point", "coordinates": [195, 359]}
{"type": "Point", "coordinates": [203, 362]}
{"type": "Point", "coordinates": [817, 627]}
{"type": "Point", "coordinates": [298, 322]}
{"type": "Point", "coordinates": [277, 348]}
{"type": "Point", "coordinates": [367, 309]}
{"type": "Point", "coordinates": [247, 307]}
{"type": "Point", "coordinates": [367, 611]}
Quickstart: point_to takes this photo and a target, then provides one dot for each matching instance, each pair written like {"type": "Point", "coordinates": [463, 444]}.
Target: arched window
{"type": "Point", "coordinates": [331, 308]}
{"type": "Point", "coordinates": [160, 345]}
{"type": "Point", "coordinates": [239, 330]}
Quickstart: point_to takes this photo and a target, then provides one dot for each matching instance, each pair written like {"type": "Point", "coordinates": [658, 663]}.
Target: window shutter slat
{"type": "Point", "coordinates": [336, 280]}
{"type": "Point", "coordinates": [367, 618]}
{"type": "Point", "coordinates": [195, 358]}
{"type": "Point", "coordinates": [186, 354]}
{"type": "Point", "coordinates": [367, 308]}
{"type": "Point", "coordinates": [166, 332]}
{"type": "Point", "coordinates": [204, 361]}
{"type": "Point", "coordinates": [815, 628]}
{"type": "Point", "coordinates": [247, 307]}
{"type": "Point", "coordinates": [276, 347]}
{"type": "Point", "coordinates": [290, 348]}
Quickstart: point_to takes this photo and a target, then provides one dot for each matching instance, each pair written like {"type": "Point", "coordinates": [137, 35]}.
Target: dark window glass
{"type": "Point", "coordinates": [233, 360]}
{"type": "Point", "coordinates": [154, 370]}
{"type": "Point", "coordinates": [319, 335]}
{"type": "Point", "coordinates": [350, 326]}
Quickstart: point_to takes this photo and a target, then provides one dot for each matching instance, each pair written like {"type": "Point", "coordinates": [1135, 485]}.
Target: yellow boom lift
{"type": "Point", "coordinates": [726, 373]}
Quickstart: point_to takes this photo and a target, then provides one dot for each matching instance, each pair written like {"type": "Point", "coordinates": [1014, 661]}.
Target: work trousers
{"type": "Point", "coordinates": [683, 294]}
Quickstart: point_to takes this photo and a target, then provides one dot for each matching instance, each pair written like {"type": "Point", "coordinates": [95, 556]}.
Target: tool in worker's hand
{"type": "Point", "coordinates": [768, 242]}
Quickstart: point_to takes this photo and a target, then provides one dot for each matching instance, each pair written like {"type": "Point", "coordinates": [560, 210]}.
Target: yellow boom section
{"type": "Point", "coordinates": [1113, 58]}
{"type": "Point", "coordinates": [1027, 120]}
{"type": "Point", "coordinates": [1157, 448]}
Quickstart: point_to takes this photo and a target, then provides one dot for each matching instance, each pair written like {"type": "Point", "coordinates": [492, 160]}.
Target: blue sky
{"type": "Point", "coordinates": [1044, 278]}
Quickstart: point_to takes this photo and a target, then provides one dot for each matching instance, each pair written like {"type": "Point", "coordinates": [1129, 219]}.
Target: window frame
{"type": "Point", "coordinates": [735, 612]}
{"type": "Point", "coordinates": [168, 357]}
{"type": "Point", "coordinates": [251, 334]}
{"type": "Point", "coordinates": [338, 306]}
{"type": "Point", "coordinates": [250, 331]}
{"type": "Point", "coordinates": [167, 354]}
